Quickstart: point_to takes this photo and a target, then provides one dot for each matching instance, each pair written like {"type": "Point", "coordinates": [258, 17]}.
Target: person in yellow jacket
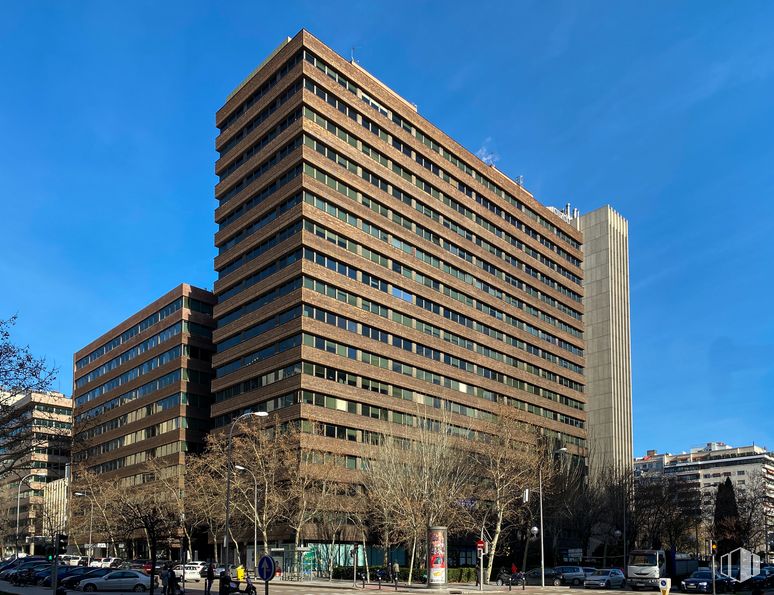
{"type": "Point", "coordinates": [240, 573]}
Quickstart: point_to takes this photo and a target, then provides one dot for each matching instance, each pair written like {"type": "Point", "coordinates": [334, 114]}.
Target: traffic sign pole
{"type": "Point", "coordinates": [265, 571]}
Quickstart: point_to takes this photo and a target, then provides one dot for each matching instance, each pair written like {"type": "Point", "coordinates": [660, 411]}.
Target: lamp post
{"type": "Point", "coordinates": [18, 508]}
{"type": "Point", "coordinates": [91, 519]}
{"type": "Point", "coordinates": [228, 481]}
{"type": "Point", "coordinates": [255, 515]}
{"type": "Point", "coordinates": [542, 550]}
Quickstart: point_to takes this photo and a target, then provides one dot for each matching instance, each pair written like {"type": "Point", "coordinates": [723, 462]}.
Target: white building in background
{"type": "Point", "coordinates": [748, 467]}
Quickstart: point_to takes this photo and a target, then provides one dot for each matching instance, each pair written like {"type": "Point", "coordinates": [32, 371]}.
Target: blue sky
{"type": "Point", "coordinates": [661, 109]}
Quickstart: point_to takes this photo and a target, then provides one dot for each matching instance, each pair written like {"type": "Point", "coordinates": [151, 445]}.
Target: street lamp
{"type": "Point", "coordinates": [542, 550]}
{"type": "Point", "coordinates": [228, 481]}
{"type": "Point", "coordinates": [91, 519]}
{"type": "Point", "coordinates": [255, 515]}
{"type": "Point", "coordinates": [18, 507]}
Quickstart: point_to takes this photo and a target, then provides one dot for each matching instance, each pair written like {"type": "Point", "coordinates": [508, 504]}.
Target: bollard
{"type": "Point", "coordinates": [510, 583]}
{"type": "Point", "coordinates": [396, 582]}
{"type": "Point", "coordinates": [364, 577]}
{"type": "Point", "coordinates": [379, 580]}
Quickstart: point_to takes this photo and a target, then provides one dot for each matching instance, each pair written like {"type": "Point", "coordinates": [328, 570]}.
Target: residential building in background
{"type": "Point", "coordinates": [55, 506]}
{"type": "Point", "coordinates": [371, 270]}
{"type": "Point", "coordinates": [142, 390]}
{"type": "Point", "coordinates": [750, 468]}
{"type": "Point", "coordinates": [607, 334]}
{"type": "Point", "coordinates": [45, 433]}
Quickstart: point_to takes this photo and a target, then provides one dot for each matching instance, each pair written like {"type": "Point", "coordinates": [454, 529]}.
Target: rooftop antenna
{"type": "Point", "coordinates": [352, 54]}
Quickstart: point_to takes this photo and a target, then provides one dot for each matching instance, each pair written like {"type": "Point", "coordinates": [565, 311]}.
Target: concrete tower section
{"type": "Point", "coordinates": [607, 336]}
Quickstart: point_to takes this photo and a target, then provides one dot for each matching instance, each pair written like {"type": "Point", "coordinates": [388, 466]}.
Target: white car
{"type": "Point", "coordinates": [192, 572]}
{"type": "Point", "coordinates": [110, 562]}
{"type": "Point", "coordinates": [120, 580]}
{"type": "Point", "coordinates": [95, 563]}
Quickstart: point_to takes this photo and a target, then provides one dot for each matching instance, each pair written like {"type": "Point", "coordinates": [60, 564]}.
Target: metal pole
{"type": "Point", "coordinates": [255, 523]}
{"type": "Point", "coordinates": [542, 550]}
{"type": "Point", "coordinates": [228, 484]}
{"type": "Point", "coordinates": [18, 508]}
{"type": "Point", "coordinates": [91, 525]}
{"type": "Point", "coordinates": [481, 564]}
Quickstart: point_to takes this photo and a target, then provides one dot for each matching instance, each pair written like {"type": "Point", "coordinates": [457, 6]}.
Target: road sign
{"type": "Point", "coordinates": [664, 585]}
{"type": "Point", "coordinates": [479, 544]}
{"type": "Point", "coordinates": [266, 568]}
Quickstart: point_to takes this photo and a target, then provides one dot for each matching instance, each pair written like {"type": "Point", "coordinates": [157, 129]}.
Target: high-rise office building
{"type": "Point", "coordinates": [370, 269]}
{"type": "Point", "coordinates": [142, 390]}
{"type": "Point", "coordinates": [43, 424]}
{"type": "Point", "coordinates": [608, 339]}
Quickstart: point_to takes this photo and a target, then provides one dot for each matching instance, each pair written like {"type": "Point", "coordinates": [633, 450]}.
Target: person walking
{"type": "Point", "coordinates": [395, 571]}
{"type": "Point", "coordinates": [164, 580]}
{"type": "Point", "coordinates": [210, 579]}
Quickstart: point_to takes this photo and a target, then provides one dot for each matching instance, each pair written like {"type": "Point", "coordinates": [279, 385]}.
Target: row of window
{"type": "Point", "coordinates": [130, 354]}
{"type": "Point", "coordinates": [432, 377]}
{"type": "Point", "coordinates": [260, 328]}
{"type": "Point", "coordinates": [250, 280]}
{"type": "Point", "coordinates": [260, 223]}
{"type": "Point", "coordinates": [144, 368]}
{"type": "Point", "coordinates": [407, 175]}
{"type": "Point", "coordinates": [137, 393]}
{"type": "Point", "coordinates": [164, 312]}
{"type": "Point", "coordinates": [259, 170]}
{"type": "Point", "coordinates": [434, 331]}
{"type": "Point", "coordinates": [266, 245]}
{"type": "Point", "coordinates": [53, 409]}
{"type": "Point", "coordinates": [140, 457]}
{"type": "Point", "coordinates": [132, 416]}
{"type": "Point", "coordinates": [258, 382]}
{"type": "Point", "coordinates": [426, 281]}
{"type": "Point", "coordinates": [261, 354]}
{"type": "Point", "coordinates": [170, 425]}
{"type": "Point", "coordinates": [259, 144]}
{"type": "Point", "coordinates": [451, 158]}
{"type": "Point", "coordinates": [261, 91]}
{"type": "Point", "coordinates": [353, 326]}
{"type": "Point", "coordinates": [260, 196]}
{"type": "Point", "coordinates": [260, 301]}
{"type": "Point", "coordinates": [444, 266]}
{"type": "Point", "coordinates": [510, 259]}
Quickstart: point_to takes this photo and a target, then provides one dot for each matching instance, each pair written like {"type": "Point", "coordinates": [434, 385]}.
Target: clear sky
{"type": "Point", "coordinates": [662, 109]}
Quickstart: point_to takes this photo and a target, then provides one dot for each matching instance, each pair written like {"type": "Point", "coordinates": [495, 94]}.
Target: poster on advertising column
{"type": "Point", "coordinates": [436, 556]}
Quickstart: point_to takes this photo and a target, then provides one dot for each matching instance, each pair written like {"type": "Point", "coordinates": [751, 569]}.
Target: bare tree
{"type": "Point", "coordinates": [420, 477]}
{"type": "Point", "coordinates": [507, 463]}
{"type": "Point", "coordinates": [20, 373]}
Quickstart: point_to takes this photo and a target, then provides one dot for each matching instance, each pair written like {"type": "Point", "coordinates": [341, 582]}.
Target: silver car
{"type": "Point", "coordinates": [120, 580]}
{"type": "Point", "coordinates": [605, 578]}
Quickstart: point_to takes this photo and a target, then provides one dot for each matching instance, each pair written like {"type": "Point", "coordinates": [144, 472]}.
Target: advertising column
{"type": "Point", "coordinates": [436, 557]}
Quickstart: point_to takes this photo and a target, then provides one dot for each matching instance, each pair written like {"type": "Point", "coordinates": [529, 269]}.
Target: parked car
{"type": "Point", "coordinates": [701, 582]}
{"type": "Point", "coordinates": [138, 563]}
{"type": "Point", "coordinates": [118, 580]}
{"type": "Point", "coordinates": [95, 563]}
{"type": "Point", "coordinates": [77, 560]}
{"type": "Point", "coordinates": [160, 563]}
{"type": "Point", "coordinates": [71, 581]}
{"type": "Point", "coordinates": [763, 580]}
{"type": "Point", "coordinates": [605, 578]}
{"type": "Point", "coordinates": [570, 575]}
{"type": "Point", "coordinates": [533, 577]}
{"type": "Point", "coordinates": [588, 570]}
{"type": "Point", "coordinates": [61, 572]}
{"type": "Point", "coordinates": [111, 562]}
{"type": "Point", "coordinates": [192, 572]}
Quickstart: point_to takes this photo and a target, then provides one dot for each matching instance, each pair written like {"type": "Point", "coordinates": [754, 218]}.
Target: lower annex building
{"type": "Point", "coordinates": [142, 391]}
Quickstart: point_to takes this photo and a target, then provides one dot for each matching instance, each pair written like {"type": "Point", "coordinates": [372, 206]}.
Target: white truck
{"type": "Point", "coordinates": [647, 566]}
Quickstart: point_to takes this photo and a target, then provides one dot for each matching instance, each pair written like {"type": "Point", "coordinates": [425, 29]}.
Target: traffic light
{"type": "Point", "coordinates": [713, 547]}
{"type": "Point", "coordinates": [60, 543]}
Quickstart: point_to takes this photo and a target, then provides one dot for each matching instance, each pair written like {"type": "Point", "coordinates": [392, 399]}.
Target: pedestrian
{"type": "Point", "coordinates": [164, 580]}
{"type": "Point", "coordinates": [225, 583]}
{"type": "Point", "coordinates": [395, 571]}
{"type": "Point", "coordinates": [240, 571]}
{"type": "Point", "coordinates": [173, 588]}
{"type": "Point", "coordinates": [514, 568]}
{"type": "Point", "coordinates": [210, 579]}
{"type": "Point", "coordinates": [478, 575]}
